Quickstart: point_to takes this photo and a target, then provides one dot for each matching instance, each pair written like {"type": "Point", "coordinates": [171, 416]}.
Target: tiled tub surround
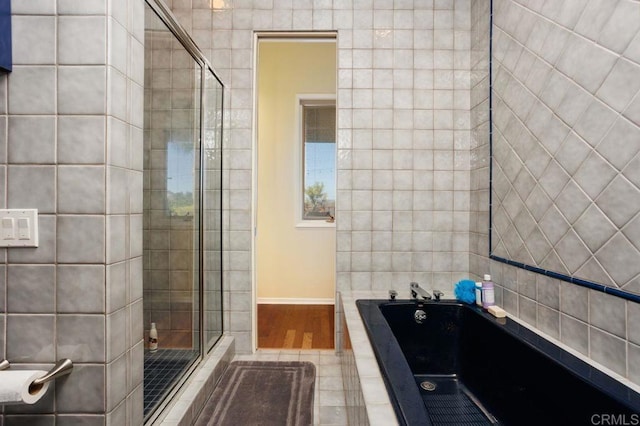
{"type": "Point", "coordinates": [366, 395]}
{"type": "Point", "coordinates": [362, 368]}
{"type": "Point", "coordinates": [566, 134]}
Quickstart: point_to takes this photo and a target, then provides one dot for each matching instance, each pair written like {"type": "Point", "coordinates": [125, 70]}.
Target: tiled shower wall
{"type": "Point", "coordinates": [71, 146]}
{"type": "Point", "coordinates": [403, 136]}
{"type": "Point", "coordinates": [566, 137]}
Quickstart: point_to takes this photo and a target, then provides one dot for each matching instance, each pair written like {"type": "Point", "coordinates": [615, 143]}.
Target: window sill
{"type": "Point", "coordinates": [315, 224]}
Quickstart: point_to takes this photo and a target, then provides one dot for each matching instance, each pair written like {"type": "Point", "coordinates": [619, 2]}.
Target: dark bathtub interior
{"type": "Point", "coordinates": [475, 369]}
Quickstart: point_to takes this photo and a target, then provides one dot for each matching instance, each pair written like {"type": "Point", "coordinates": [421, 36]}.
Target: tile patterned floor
{"type": "Point", "coordinates": [161, 370]}
{"type": "Point", "coordinates": [329, 402]}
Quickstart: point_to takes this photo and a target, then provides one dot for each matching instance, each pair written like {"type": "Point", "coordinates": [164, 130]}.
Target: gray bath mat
{"type": "Point", "coordinates": [262, 393]}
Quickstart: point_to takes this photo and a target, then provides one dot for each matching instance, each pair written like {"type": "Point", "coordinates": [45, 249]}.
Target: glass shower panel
{"type": "Point", "coordinates": [171, 199]}
{"type": "Point", "coordinates": [212, 166]}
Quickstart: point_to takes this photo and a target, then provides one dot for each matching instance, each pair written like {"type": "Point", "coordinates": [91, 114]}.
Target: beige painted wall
{"type": "Point", "coordinates": [292, 263]}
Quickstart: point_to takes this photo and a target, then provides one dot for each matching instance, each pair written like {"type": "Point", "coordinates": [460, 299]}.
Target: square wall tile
{"type": "Point", "coordinates": [81, 189]}
{"type": "Point", "coordinates": [80, 419]}
{"type": "Point", "coordinates": [82, 89]}
{"type": "Point", "coordinates": [85, 280]}
{"type": "Point", "coordinates": [81, 239]}
{"type": "Point", "coordinates": [32, 139]}
{"type": "Point", "coordinates": [3, 294]}
{"type": "Point", "coordinates": [34, 7]}
{"type": "Point", "coordinates": [32, 90]}
{"type": "Point", "coordinates": [117, 191]}
{"type": "Point", "coordinates": [2, 334]}
{"type": "Point", "coordinates": [83, 391]}
{"type": "Point", "coordinates": [574, 333]}
{"type": "Point", "coordinates": [22, 193]}
{"type": "Point", "coordinates": [31, 288]}
{"type": "Point", "coordinates": [633, 353]}
{"type": "Point", "coordinates": [608, 313]}
{"type": "Point", "coordinates": [81, 139]}
{"type": "Point", "coordinates": [608, 350]}
{"type": "Point", "coordinates": [3, 130]}
{"type": "Point", "coordinates": [116, 382]}
{"type": "Point", "coordinates": [30, 338]}
{"type": "Point", "coordinates": [87, 7]}
{"type": "Point", "coordinates": [117, 341]}
{"type": "Point", "coordinates": [116, 287]}
{"type": "Point", "coordinates": [118, 143]}
{"type": "Point", "coordinates": [81, 337]}
{"type": "Point", "coordinates": [31, 419]}
{"type": "Point", "coordinates": [82, 40]}
{"type": "Point", "coordinates": [33, 39]}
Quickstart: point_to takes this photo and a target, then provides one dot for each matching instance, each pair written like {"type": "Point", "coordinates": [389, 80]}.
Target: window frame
{"type": "Point", "coordinates": [303, 100]}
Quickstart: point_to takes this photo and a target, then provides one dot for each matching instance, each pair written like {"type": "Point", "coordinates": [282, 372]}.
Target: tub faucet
{"type": "Point", "coordinates": [393, 294]}
{"type": "Point", "coordinates": [437, 294]}
{"type": "Point", "coordinates": [416, 291]}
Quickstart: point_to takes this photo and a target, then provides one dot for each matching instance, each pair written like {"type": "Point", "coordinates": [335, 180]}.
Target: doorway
{"type": "Point", "coordinates": [295, 191]}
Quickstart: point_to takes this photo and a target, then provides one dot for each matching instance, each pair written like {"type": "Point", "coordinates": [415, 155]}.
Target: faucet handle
{"type": "Point", "coordinates": [392, 294]}
{"type": "Point", "coordinates": [437, 294]}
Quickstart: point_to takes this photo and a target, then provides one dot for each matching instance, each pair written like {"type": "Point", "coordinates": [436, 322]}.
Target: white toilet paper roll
{"type": "Point", "coordinates": [16, 387]}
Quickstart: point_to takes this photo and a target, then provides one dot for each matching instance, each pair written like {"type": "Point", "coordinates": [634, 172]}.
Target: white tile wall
{"type": "Point", "coordinates": [403, 125]}
{"type": "Point", "coordinates": [413, 154]}
{"type": "Point", "coordinates": [55, 146]}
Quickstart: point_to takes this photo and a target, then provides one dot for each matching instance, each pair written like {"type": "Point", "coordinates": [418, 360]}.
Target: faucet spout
{"type": "Point", "coordinates": [419, 292]}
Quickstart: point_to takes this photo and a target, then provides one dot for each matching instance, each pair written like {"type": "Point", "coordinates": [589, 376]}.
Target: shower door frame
{"type": "Point", "coordinates": [169, 19]}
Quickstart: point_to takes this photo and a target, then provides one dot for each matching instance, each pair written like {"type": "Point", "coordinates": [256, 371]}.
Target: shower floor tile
{"type": "Point", "coordinates": [161, 370]}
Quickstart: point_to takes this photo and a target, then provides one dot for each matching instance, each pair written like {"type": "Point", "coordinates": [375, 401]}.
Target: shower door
{"type": "Point", "coordinates": [182, 254]}
{"type": "Point", "coordinates": [212, 208]}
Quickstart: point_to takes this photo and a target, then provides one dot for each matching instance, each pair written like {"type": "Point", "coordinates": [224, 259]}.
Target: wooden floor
{"type": "Point", "coordinates": [295, 326]}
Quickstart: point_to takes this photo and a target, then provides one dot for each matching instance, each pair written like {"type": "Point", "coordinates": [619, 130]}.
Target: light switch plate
{"type": "Point", "coordinates": [19, 227]}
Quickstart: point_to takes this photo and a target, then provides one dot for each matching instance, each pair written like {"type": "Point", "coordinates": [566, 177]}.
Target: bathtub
{"type": "Point", "coordinates": [456, 364]}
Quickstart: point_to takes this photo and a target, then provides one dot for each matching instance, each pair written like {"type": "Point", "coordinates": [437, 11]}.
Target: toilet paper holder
{"type": "Point", "coordinates": [62, 368]}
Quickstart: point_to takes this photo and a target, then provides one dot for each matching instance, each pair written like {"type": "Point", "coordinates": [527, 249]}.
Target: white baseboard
{"type": "Point", "coordinates": [292, 301]}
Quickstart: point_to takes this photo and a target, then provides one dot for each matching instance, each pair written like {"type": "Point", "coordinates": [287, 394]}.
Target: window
{"type": "Point", "coordinates": [180, 178]}
{"type": "Point", "coordinates": [318, 159]}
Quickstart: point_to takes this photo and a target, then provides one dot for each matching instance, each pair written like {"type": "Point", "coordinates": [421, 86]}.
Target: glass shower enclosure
{"type": "Point", "coordinates": [182, 241]}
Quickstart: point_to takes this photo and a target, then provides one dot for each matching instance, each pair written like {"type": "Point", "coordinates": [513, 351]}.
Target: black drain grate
{"type": "Point", "coordinates": [454, 409]}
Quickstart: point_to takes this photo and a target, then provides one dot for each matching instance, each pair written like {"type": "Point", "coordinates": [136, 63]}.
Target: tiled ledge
{"type": "Point", "coordinates": [379, 410]}
{"type": "Point", "coordinates": [187, 404]}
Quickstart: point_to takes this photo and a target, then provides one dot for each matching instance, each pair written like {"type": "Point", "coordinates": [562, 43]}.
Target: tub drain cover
{"type": "Point", "coordinates": [428, 386]}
